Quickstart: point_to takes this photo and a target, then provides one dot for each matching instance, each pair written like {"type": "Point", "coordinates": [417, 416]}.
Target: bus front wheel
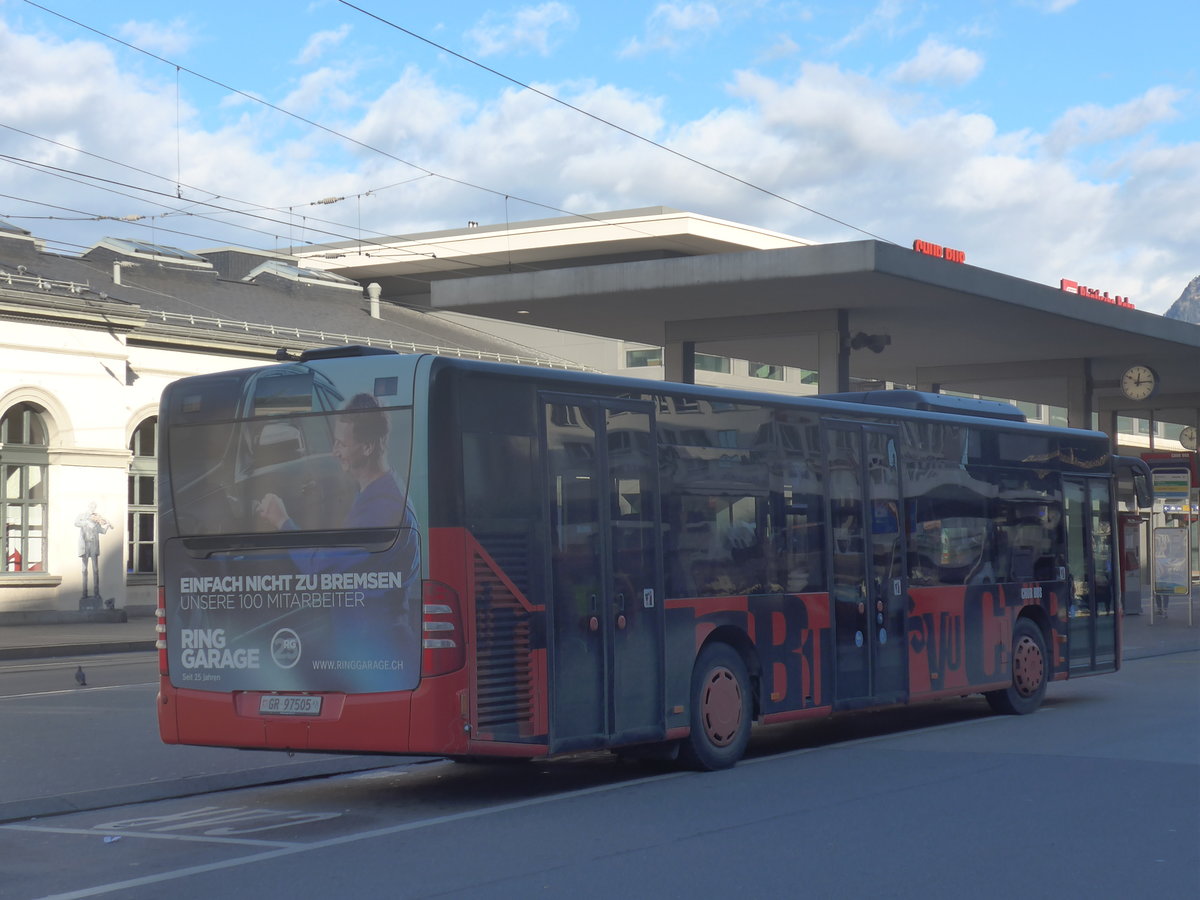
{"type": "Point", "coordinates": [1029, 673]}
{"type": "Point", "coordinates": [721, 710]}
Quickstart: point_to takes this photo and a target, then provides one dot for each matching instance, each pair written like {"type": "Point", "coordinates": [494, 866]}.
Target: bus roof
{"type": "Point", "coordinates": [887, 403]}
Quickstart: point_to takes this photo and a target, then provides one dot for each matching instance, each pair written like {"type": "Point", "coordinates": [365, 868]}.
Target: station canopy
{"type": "Point", "coordinates": [864, 309]}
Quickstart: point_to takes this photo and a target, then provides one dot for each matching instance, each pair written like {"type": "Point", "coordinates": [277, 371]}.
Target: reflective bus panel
{"type": "Point", "coordinates": [421, 555]}
{"type": "Point", "coordinates": [295, 561]}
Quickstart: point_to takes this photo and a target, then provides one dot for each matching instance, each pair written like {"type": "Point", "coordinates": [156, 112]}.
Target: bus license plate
{"type": "Point", "coordinates": [289, 705]}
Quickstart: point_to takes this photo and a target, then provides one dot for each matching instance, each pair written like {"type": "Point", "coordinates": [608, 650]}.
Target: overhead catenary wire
{"type": "Point", "coordinates": [173, 211]}
{"type": "Point", "coordinates": [84, 215]}
{"type": "Point", "coordinates": [610, 124]}
{"type": "Point", "coordinates": [385, 244]}
{"type": "Point", "coordinates": [384, 248]}
{"type": "Point", "coordinates": [304, 119]}
{"type": "Point", "coordinates": [387, 247]}
{"type": "Point", "coordinates": [507, 195]}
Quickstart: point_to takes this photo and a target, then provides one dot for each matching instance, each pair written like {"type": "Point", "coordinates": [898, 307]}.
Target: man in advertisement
{"type": "Point", "coordinates": [381, 626]}
{"type": "Point", "coordinates": [360, 435]}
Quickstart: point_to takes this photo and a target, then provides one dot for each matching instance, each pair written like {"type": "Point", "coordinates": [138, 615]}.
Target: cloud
{"type": "Point", "coordinates": [939, 62]}
{"type": "Point", "coordinates": [329, 87]}
{"type": "Point", "coordinates": [884, 19]}
{"type": "Point", "coordinates": [867, 150]}
{"type": "Point", "coordinates": [320, 42]}
{"type": "Point", "coordinates": [852, 148]}
{"type": "Point", "coordinates": [528, 30]}
{"type": "Point", "coordinates": [174, 38]}
{"type": "Point", "coordinates": [1094, 124]}
{"type": "Point", "coordinates": [783, 47]}
{"type": "Point", "coordinates": [1050, 6]}
{"type": "Point", "coordinates": [670, 27]}
{"type": "Point", "coordinates": [75, 95]}
{"type": "Point", "coordinates": [417, 110]}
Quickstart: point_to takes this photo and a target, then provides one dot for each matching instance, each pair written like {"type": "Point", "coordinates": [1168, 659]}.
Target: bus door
{"type": "Point", "coordinates": [868, 571]}
{"type": "Point", "coordinates": [1091, 594]}
{"type": "Point", "coordinates": [605, 628]}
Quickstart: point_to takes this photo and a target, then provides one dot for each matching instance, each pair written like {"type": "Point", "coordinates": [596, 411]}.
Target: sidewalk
{"type": "Point", "coordinates": [75, 639]}
{"type": "Point", "coordinates": [1171, 635]}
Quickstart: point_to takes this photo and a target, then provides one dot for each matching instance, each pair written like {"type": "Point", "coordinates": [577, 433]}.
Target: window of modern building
{"type": "Point", "coordinates": [1170, 430]}
{"type": "Point", "coordinates": [142, 524]}
{"type": "Point", "coordinates": [1160, 429]}
{"type": "Point", "coordinates": [809, 376]}
{"type": "Point", "coordinates": [706, 362]}
{"type": "Point", "coordinates": [23, 491]}
{"type": "Point", "coordinates": [766, 370]}
{"type": "Point", "coordinates": [1135, 425]}
{"type": "Point", "coordinates": [1033, 411]}
{"type": "Point", "coordinates": [635, 359]}
{"type": "Point", "coordinates": [1131, 425]}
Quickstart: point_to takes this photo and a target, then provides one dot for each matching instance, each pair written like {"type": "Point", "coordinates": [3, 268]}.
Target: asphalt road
{"type": "Point", "coordinates": [68, 748]}
{"type": "Point", "coordinates": [1096, 795]}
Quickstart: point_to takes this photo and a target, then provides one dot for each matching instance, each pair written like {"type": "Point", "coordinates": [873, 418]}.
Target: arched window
{"type": "Point", "coordinates": [142, 526]}
{"type": "Point", "coordinates": [23, 494]}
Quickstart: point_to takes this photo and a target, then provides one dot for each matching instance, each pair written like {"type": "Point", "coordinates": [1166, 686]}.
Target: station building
{"type": "Point", "coordinates": [87, 344]}
{"type": "Point", "coordinates": [89, 341]}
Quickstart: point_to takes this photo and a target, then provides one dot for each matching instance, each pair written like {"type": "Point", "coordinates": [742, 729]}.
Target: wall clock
{"type": "Point", "coordinates": [1139, 382]}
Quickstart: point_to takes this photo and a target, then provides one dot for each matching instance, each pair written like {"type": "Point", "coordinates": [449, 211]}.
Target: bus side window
{"type": "Point", "coordinates": [803, 548]}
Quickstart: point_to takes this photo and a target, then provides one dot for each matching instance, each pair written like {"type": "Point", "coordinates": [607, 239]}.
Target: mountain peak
{"type": "Point", "coordinates": [1187, 307]}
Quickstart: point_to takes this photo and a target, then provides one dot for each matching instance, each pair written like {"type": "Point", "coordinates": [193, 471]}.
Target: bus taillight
{"type": "Point", "coordinates": [160, 631]}
{"type": "Point", "coordinates": [442, 639]}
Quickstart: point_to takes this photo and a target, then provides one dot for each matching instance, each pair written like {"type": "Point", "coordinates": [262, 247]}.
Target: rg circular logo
{"type": "Point", "coordinates": [285, 648]}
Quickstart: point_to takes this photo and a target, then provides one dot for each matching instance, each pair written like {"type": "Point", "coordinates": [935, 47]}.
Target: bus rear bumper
{"type": "Point", "coordinates": [345, 723]}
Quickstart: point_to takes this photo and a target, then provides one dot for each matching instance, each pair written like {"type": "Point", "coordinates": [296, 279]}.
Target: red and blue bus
{"type": "Point", "coordinates": [413, 554]}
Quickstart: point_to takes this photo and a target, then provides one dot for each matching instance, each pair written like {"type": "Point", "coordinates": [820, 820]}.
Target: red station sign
{"type": "Point", "coordinates": [1074, 287]}
{"type": "Point", "coordinates": [931, 249]}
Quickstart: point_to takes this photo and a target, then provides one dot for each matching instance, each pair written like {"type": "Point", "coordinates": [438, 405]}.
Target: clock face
{"type": "Point", "coordinates": [1187, 437]}
{"type": "Point", "coordinates": [1139, 382]}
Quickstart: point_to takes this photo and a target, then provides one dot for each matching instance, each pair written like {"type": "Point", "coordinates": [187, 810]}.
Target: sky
{"type": "Point", "coordinates": [1047, 139]}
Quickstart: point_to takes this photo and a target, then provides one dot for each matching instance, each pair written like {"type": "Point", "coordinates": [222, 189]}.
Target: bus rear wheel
{"type": "Point", "coordinates": [721, 710]}
{"type": "Point", "coordinates": [1030, 665]}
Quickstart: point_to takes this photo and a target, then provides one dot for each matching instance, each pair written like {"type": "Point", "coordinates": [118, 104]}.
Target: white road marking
{"type": "Point", "coordinates": [79, 690]}
{"type": "Point", "coordinates": [98, 661]}
{"type": "Point", "coordinates": [196, 838]}
{"type": "Point", "coordinates": [292, 849]}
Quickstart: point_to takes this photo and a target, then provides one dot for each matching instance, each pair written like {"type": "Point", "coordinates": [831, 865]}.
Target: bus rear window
{"type": "Point", "coordinates": [284, 471]}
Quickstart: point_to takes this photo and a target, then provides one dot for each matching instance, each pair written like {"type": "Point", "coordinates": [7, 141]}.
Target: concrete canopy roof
{"type": "Point", "coordinates": [405, 265]}
{"type": "Point", "coordinates": [951, 324]}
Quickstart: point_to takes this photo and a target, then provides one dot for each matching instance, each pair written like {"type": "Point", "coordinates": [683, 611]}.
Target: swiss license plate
{"type": "Point", "coordinates": [289, 705]}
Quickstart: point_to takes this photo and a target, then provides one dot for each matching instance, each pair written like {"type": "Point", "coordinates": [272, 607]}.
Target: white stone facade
{"type": "Point", "coordinates": [92, 392]}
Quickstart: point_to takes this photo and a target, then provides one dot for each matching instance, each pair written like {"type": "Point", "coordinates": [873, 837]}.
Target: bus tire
{"type": "Point", "coordinates": [721, 710]}
{"type": "Point", "coordinates": [1030, 665]}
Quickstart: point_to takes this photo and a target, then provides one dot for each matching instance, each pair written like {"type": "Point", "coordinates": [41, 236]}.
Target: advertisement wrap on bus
{"type": "Point", "coordinates": [277, 609]}
{"type": "Point", "coordinates": [370, 552]}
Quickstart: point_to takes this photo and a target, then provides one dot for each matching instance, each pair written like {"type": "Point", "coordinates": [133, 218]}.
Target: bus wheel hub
{"type": "Point", "coordinates": [1028, 667]}
{"type": "Point", "coordinates": [722, 707]}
